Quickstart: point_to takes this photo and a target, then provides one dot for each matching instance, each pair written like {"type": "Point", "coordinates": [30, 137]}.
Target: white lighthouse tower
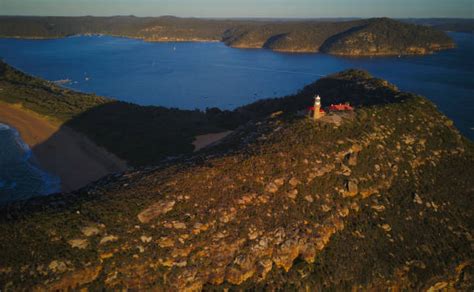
{"type": "Point", "coordinates": [317, 108]}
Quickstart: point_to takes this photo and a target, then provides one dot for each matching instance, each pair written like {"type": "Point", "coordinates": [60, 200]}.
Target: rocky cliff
{"type": "Point", "coordinates": [377, 198]}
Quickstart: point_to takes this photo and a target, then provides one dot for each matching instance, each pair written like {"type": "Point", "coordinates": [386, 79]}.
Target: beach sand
{"type": "Point", "coordinates": [61, 151]}
{"type": "Point", "coordinates": [202, 141]}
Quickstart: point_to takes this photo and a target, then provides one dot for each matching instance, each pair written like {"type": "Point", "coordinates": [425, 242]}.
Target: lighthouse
{"type": "Point", "coordinates": [317, 108]}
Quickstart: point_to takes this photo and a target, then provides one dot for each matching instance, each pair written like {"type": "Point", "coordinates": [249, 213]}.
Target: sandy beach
{"type": "Point", "coordinates": [202, 141]}
{"type": "Point", "coordinates": [61, 151]}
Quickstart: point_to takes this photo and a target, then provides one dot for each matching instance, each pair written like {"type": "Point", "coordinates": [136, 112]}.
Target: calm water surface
{"type": "Point", "coordinates": [200, 75]}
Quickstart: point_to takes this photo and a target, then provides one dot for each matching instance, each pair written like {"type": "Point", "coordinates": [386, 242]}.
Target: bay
{"type": "Point", "coordinates": [199, 75]}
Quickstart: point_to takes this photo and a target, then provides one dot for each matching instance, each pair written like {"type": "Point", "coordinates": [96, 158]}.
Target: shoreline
{"type": "Point", "coordinates": [59, 150]}
{"type": "Point", "coordinates": [51, 183]}
{"type": "Point", "coordinates": [429, 51]}
{"type": "Point", "coordinates": [202, 141]}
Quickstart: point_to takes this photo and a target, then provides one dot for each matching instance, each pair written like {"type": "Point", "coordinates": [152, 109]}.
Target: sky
{"type": "Point", "coordinates": [243, 8]}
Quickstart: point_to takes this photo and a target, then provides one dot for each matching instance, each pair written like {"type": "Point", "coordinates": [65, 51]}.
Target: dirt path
{"type": "Point", "coordinates": [60, 150]}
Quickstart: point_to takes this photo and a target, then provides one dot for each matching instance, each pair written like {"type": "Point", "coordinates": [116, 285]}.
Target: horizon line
{"type": "Point", "coordinates": [238, 17]}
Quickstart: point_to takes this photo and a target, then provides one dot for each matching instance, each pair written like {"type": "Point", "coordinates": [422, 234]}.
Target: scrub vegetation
{"type": "Point", "coordinates": [365, 37]}
{"type": "Point", "coordinates": [377, 198]}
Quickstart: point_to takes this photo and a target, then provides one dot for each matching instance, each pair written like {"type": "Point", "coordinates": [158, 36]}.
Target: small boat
{"type": "Point", "coordinates": [63, 81]}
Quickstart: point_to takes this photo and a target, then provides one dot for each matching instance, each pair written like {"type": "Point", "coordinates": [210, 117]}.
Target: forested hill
{"type": "Point", "coordinates": [375, 199]}
{"type": "Point", "coordinates": [369, 37]}
{"type": "Point", "coordinates": [465, 25]}
{"type": "Point", "coordinates": [387, 37]}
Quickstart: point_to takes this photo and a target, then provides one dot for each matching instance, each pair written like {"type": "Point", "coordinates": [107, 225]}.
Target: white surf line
{"type": "Point", "coordinates": [267, 70]}
{"type": "Point", "coordinates": [51, 183]}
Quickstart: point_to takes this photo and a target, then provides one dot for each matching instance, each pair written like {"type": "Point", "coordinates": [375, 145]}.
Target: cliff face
{"type": "Point", "coordinates": [377, 198]}
{"type": "Point", "coordinates": [370, 37]}
{"type": "Point", "coordinates": [385, 37]}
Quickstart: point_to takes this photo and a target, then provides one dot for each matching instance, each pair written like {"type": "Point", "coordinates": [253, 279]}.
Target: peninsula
{"type": "Point", "coordinates": [365, 37]}
{"type": "Point", "coordinates": [377, 198]}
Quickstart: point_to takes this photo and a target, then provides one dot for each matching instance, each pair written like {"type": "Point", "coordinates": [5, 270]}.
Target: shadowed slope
{"type": "Point", "coordinates": [157, 132]}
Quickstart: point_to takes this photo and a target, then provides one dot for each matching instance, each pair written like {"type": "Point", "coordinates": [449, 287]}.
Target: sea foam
{"type": "Point", "coordinates": [51, 183]}
{"type": "Point", "coordinates": [4, 127]}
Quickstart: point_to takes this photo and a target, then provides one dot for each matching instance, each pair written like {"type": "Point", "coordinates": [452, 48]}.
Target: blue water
{"type": "Point", "coordinates": [20, 177]}
{"type": "Point", "coordinates": [200, 75]}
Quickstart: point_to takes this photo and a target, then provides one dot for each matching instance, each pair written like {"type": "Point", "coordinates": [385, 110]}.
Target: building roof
{"type": "Point", "coordinates": [340, 107]}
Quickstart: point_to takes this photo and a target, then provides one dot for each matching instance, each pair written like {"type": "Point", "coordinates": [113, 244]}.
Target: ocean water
{"type": "Point", "coordinates": [201, 75]}
{"type": "Point", "coordinates": [20, 176]}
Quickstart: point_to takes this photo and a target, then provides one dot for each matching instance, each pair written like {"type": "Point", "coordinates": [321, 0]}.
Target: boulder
{"type": "Point", "coordinates": [156, 210]}
{"type": "Point", "coordinates": [294, 182]}
{"type": "Point", "coordinates": [90, 230]}
{"type": "Point", "coordinates": [292, 194]}
{"type": "Point", "coordinates": [57, 266]}
{"type": "Point", "coordinates": [352, 188]}
{"type": "Point", "coordinates": [108, 238]}
{"type": "Point", "coordinates": [271, 188]}
{"type": "Point", "coordinates": [78, 243]}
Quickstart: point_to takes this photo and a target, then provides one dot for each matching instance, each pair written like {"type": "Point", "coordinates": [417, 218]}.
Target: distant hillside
{"type": "Point", "coordinates": [387, 37]}
{"type": "Point", "coordinates": [296, 36]}
{"type": "Point", "coordinates": [446, 24]}
{"type": "Point", "coordinates": [376, 199]}
{"type": "Point", "coordinates": [354, 37]}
